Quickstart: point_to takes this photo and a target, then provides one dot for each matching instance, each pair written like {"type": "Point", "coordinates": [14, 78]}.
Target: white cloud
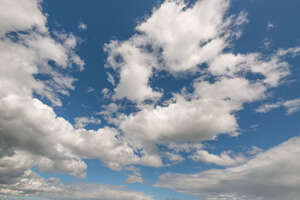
{"type": "Point", "coordinates": [90, 89]}
{"type": "Point", "coordinates": [270, 26]}
{"type": "Point", "coordinates": [181, 121]}
{"type": "Point", "coordinates": [271, 175]}
{"type": "Point", "coordinates": [135, 177]}
{"type": "Point", "coordinates": [173, 157]}
{"type": "Point", "coordinates": [22, 15]}
{"type": "Point", "coordinates": [190, 36]}
{"type": "Point", "coordinates": [32, 185]}
{"type": "Point", "coordinates": [268, 107]}
{"type": "Point", "coordinates": [135, 70]}
{"type": "Point", "coordinates": [82, 26]}
{"type": "Point", "coordinates": [225, 159]}
{"type": "Point", "coordinates": [82, 122]}
{"type": "Point", "coordinates": [27, 125]}
{"type": "Point", "coordinates": [31, 133]}
{"type": "Point", "coordinates": [110, 79]}
{"type": "Point", "coordinates": [292, 106]}
{"type": "Point", "coordinates": [184, 147]}
{"type": "Point", "coordinates": [254, 150]}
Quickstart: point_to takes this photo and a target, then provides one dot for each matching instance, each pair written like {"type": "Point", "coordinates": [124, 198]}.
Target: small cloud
{"type": "Point", "coordinates": [82, 122]}
{"type": "Point", "coordinates": [254, 150]}
{"type": "Point", "coordinates": [82, 26]}
{"type": "Point", "coordinates": [106, 93]}
{"type": "Point", "coordinates": [292, 106]}
{"type": "Point", "coordinates": [90, 89]}
{"type": "Point", "coordinates": [270, 26]}
{"type": "Point", "coordinates": [268, 107]}
{"type": "Point", "coordinates": [135, 177]}
{"type": "Point", "coordinates": [254, 126]}
{"type": "Point", "coordinates": [267, 43]}
{"type": "Point", "coordinates": [110, 79]}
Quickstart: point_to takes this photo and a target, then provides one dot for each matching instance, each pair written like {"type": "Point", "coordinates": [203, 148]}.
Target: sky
{"type": "Point", "coordinates": [149, 100]}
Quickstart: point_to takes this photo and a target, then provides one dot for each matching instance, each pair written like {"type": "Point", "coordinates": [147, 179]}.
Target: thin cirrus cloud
{"type": "Point", "coordinates": [32, 134]}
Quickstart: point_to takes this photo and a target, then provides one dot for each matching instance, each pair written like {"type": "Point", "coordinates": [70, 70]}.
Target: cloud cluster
{"type": "Point", "coordinates": [273, 174]}
{"type": "Point", "coordinates": [194, 39]}
{"type": "Point", "coordinates": [31, 133]}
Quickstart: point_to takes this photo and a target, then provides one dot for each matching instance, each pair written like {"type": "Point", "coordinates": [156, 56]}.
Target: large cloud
{"type": "Point", "coordinates": [271, 175]}
{"type": "Point", "coordinates": [31, 133]}
{"type": "Point", "coordinates": [188, 37]}
{"type": "Point", "coordinates": [193, 39]}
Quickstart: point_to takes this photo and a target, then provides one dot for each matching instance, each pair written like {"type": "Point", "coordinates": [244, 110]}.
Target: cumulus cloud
{"type": "Point", "coordinates": [189, 37]}
{"type": "Point", "coordinates": [270, 175]}
{"type": "Point", "coordinates": [28, 126]}
{"type": "Point", "coordinates": [135, 70]}
{"type": "Point", "coordinates": [21, 16]}
{"type": "Point", "coordinates": [31, 133]}
{"type": "Point", "coordinates": [194, 35]}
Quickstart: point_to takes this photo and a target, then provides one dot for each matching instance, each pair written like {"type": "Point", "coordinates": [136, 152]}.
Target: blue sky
{"type": "Point", "coordinates": [149, 100]}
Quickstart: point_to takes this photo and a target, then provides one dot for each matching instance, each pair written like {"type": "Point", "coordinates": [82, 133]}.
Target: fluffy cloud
{"type": "Point", "coordinates": [190, 37]}
{"type": "Point", "coordinates": [269, 175]}
{"type": "Point", "coordinates": [209, 110]}
{"type": "Point", "coordinates": [32, 185]}
{"type": "Point", "coordinates": [28, 126]}
{"type": "Point", "coordinates": [31, 133]}
{"type": "Point", "coordinates": [135, 69]}
{"type": "Point", "coordinates": [182, 121]}
{"type": "Point", "coordinates": [21, 16]}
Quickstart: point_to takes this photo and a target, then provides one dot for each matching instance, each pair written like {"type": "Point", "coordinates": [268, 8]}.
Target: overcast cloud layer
{"type": "Point", "coordinates": [35, 73]}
